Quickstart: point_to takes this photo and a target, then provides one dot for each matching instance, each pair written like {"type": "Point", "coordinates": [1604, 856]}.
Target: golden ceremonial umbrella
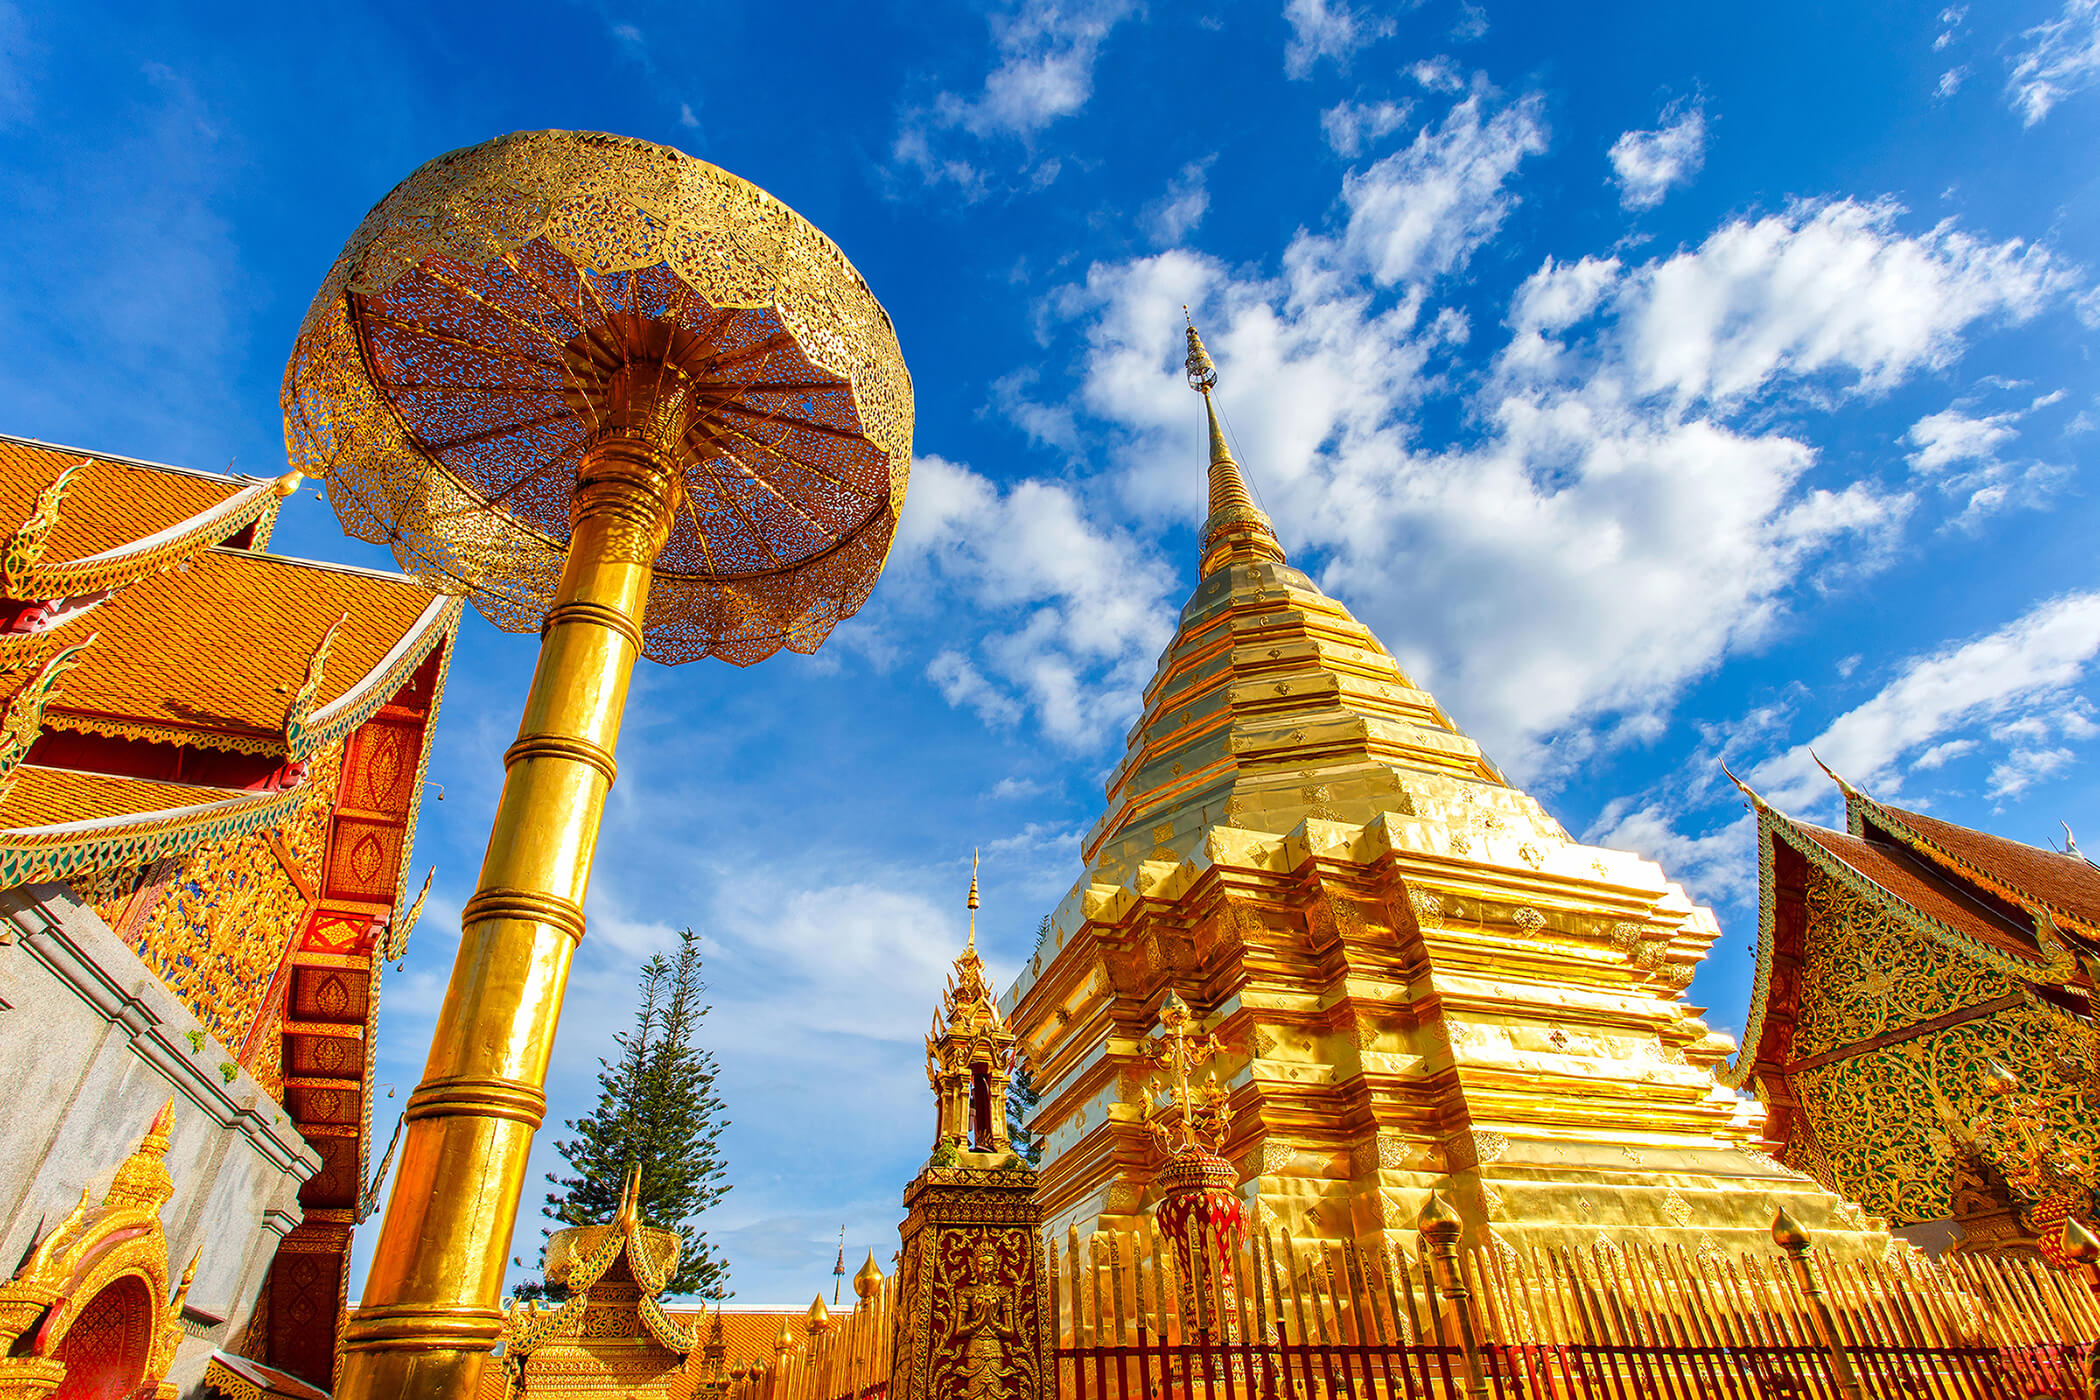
{"type": "Point", "coordinates": [620, 396]}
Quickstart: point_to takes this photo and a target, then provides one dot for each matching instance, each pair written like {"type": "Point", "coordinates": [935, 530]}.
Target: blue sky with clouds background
{"type": "Point", "coordinates": [1667, 385]}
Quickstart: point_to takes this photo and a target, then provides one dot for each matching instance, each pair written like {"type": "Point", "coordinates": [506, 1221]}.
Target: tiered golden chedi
{"type": "Point", "coordinates": [1427, 984]}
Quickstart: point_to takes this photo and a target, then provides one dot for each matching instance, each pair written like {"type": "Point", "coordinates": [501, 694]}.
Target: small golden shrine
{"type": "Point", "coordinates": [972, 1317]}
{"type": "Point", "coordinates": [611, 1335]}
{"type": "Point", "coordinates": [1921, 1029]}
{"type": "Point", "coordinates": [221, 751]}
{"type": "Point", "coordinates": [88, 1313]}
{"type": "Point", "coordinates": [1423, 983]}
{"type": "Point", "coordinates": [970, 1060]}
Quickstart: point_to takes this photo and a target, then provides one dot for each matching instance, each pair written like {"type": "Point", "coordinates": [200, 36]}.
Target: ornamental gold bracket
{"type": "Point", "coordinates": [393, 944]}
{"type": "Point", "coordinates": [25, 547]}
{"type": "Point", "coordinates": [23, 718]}
{"type": "Point", "coordinates": [298, 716]}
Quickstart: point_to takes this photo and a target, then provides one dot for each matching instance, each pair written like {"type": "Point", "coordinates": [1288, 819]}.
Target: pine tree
{"type": "Point", "coordinates": [657, 1108]}
{"type": "Point", "coordinates": [1021, 1099]}
{"type": "Point", "coordinates": [1021, 1094]}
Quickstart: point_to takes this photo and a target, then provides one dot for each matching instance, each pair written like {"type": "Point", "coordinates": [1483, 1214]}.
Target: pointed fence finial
{"type": "Point", "coordinates": [869, 1278]}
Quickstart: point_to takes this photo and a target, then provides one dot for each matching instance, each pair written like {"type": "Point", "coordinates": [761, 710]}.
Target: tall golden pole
{"type": "Point", "coordinates": [430, 1311]}
{"type": "Point", "coordinates": [616, 394]}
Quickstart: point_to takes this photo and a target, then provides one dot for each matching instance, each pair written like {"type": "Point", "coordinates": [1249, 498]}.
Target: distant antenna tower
{"type": "Point", "coordinates": [838, 1270]}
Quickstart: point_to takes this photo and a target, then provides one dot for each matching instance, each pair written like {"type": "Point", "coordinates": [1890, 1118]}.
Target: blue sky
{"type": "Point", "coordinates": [1688, 383]}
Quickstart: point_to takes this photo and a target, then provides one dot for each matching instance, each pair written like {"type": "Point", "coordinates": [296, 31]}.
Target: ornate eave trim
{"type": "Point", "coordinates": [1772, 826]}
{"type": "Point", "coordinates": [446, 635]}
{"type": "Point", "coordinates": [1858, 804]}
{"type": "Point", "coordinates": [32, 855]}
{"type": "Point", "coordinates": [127, 563]}
{"type": "Point", "coordinates": [1736, 1075]}
{"type": "Point", "coordinates": [439, 621]}
{"type": "Point", "coordinates": [154, 732]}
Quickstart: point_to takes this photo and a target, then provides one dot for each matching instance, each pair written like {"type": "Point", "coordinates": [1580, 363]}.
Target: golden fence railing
{"type": "Point", "coordinates": [847, 1360]}
{"type": "Point", "coordinates": [1270, 1317]}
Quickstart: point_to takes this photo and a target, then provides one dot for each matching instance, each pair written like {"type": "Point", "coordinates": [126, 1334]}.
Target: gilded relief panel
{"type": "Point", "coordinates": [1887, 1120]}
{"type": "Point", "coordinates": [220, 926]}
{"type": "Point", "coordinates": [1869, 972]}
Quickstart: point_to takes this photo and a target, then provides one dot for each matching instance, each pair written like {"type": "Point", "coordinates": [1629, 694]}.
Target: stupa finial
{"type": "Point", "coordinates": [973, 899]}
{"type": "Point", "coordinates": [1237, 530]}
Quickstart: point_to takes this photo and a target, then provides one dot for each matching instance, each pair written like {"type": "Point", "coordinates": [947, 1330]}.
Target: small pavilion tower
{"type": "Point", "coordinates": [969, 1061]}
{"type": "Point", "coordinates": [972, 1244]}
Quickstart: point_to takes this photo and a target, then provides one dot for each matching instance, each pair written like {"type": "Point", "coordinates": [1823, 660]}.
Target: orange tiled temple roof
{"type": "Point", "coordinates": [170, 729]}
{"type": "Point", "coordinates": [1921, 890]}
{"type": "Point", "coordinates": [160, 665]}
{"type": "Point", "coordinates": [55, 797]}
{"type": "Point", "coordinates": [2066, 884]}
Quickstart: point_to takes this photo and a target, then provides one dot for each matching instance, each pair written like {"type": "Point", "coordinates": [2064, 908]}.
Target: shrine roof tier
{"type": "Point", "coordinates": [60, 801]}
{"type": "Point", "coordinates": [2018, 911]}
{"type": "Point", "coordinates": [1896, 872]}
{"type": "Point", "coordinates": [1273, 704]}
{"type": "Point", "coordinates": [2063, 882]}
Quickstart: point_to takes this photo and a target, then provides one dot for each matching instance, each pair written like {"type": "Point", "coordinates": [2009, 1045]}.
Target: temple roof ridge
{"type": "Point", "coordinates": [236, 479]}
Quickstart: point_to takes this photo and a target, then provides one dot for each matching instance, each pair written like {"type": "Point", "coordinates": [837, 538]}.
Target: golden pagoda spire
{"type": "Point", "coordinates": [1237, 530]}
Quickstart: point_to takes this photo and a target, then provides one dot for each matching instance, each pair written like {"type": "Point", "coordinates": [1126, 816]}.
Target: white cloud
{"type": "Point", "coordinates": [1951, 436]}
{"type": "Point", "coordinates": [1350, 125]}
{"type": "Point", "coordinates": [2060, 58]}
{"type": "Point", "coordinates": [1438, 74]}
{"type": "Point", "coordinates": [1170, 218]}
{"type": "Point", "coordinates": [1073, 613]}
{"type": "Point", "coordinates": [1423, 211]}
{"type": "Point", "coordinates": [1718, 867]}
{"type": "Point", "coordinates": [1950, 18]}
{"type": "Point", "coordinates": [1471, 24]}
{"type": "Point", "coordinates": [1047, 50]}
{"type": "Point", "coordinates": [2014, 686]}
{"type": "Point", "coordinates": [1963, 455]}
{"type": "Point", "coordinates": [1951, 81]}
{"type": "Point", "coordinates": [1824, 287]}
{"type": "Point", "coordinates": [1330, 29]}
{"type": "Point", "coordinates": [962, 684]}
{"type": "Point", "coordinates": [686, 118]}
{"type": "Point", "coordinates": [1645, 164]}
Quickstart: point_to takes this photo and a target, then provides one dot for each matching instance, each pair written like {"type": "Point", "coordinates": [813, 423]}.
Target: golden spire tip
{"type": "Point", "coordinates": [1203, 373]}
{"type": "Point", "coordinates": [973, 898]}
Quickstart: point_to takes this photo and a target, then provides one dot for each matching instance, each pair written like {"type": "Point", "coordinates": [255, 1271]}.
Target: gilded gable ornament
{"type": "Point", "coordinates": [22, 717]}
{"type": "Point", "coordinates": [101, 1271]}
{"type": "Point", "coordinates": [25, 547]}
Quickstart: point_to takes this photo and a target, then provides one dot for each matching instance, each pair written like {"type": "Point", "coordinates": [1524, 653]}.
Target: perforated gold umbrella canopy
{"type": "Point", "coordinates": [456, 363]}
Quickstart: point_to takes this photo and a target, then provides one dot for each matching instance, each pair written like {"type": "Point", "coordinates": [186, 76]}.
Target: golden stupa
{"type": "Point", "coordinates": [1423, 983]}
